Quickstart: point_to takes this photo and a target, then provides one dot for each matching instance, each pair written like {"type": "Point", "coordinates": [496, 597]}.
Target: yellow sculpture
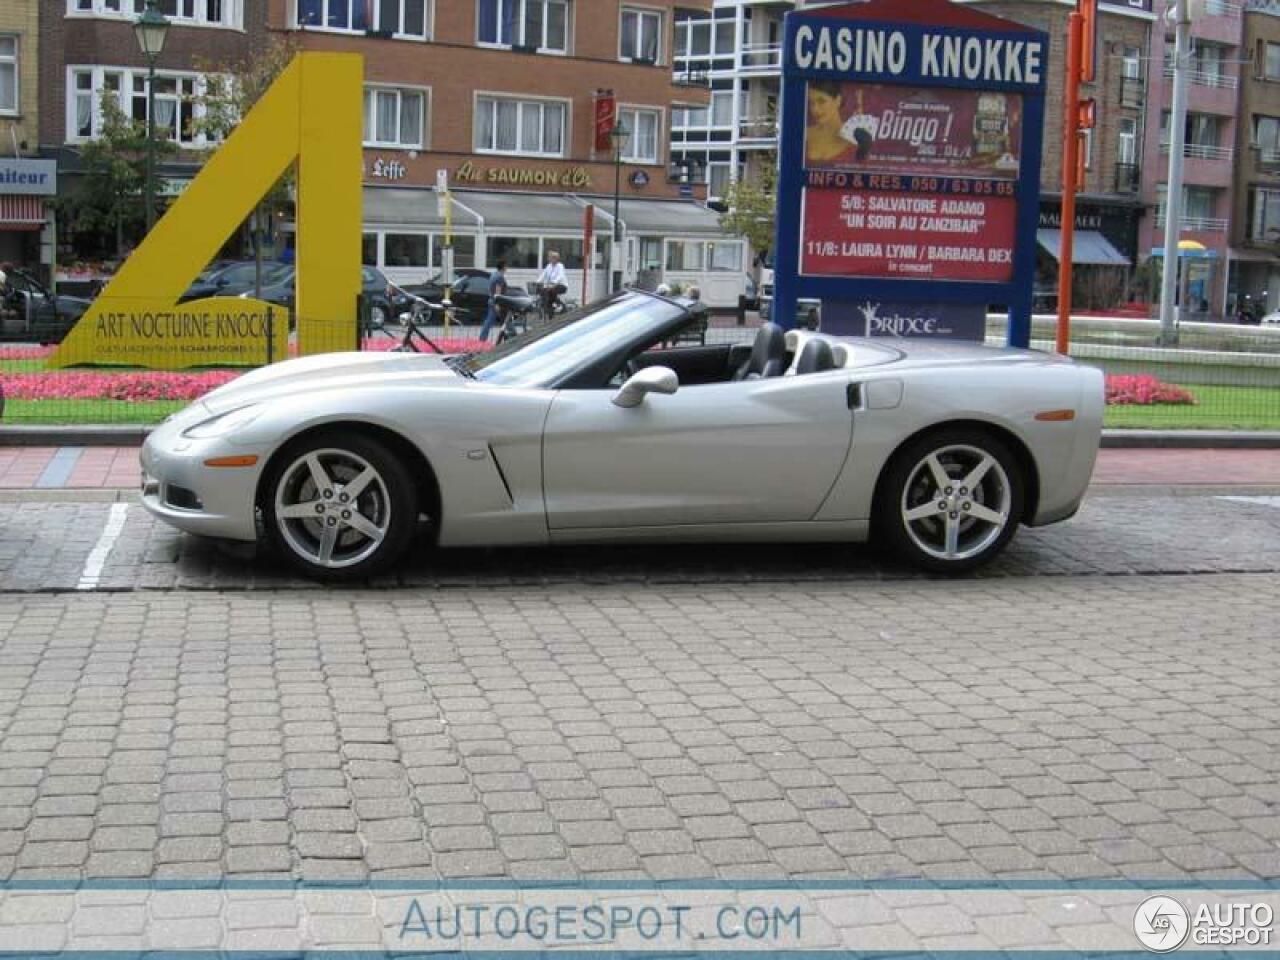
{"type": "Point", "coordinates": [312, 114]}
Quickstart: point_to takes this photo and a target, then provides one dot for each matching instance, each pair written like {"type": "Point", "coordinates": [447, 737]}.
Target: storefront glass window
{"type": "Point", "coordinates": [726, 257]}
{"type": "Point", "coordinates": [520, 253]}
{"type": "Point", "coordinates": [464, 252]}
{"type": "Point", "coordinates": [369, 249]}
{"type": "Point", "coordinates": [407, 250]}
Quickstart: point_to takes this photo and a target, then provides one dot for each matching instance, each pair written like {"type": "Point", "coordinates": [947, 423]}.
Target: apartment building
{"type": "Point", "coordinates": [1253, 274]}
{"type": "Point", "coordinates": [27, 183]}
{"type": "Point", "coordinates": [1213, 90]}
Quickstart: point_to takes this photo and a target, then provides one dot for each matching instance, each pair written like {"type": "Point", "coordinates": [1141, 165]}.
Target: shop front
{"type": "Point", "coordinates": [27, 187]}
{"type": "Point", "coordinates": [1105, 252]}
{"type": "Point", "coordinates": [662, 241]}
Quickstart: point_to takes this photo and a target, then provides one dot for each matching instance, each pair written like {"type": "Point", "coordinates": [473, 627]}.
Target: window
{"type": "Point", "coordinates": [530, 127]}
{"type": "Point", "coordinates": [641, 34]}
{"type": "Point", "coordinates": [403, 18]}
{"type": "Point", "coordinates": [520, 253]}
{"type": "Point", "coordinates": [1264, 221]}
{"type": "Point", "coordinates": [1271, 61]}
{"type": "Point", "coordinates": [1086, 148]}
{"type": "Point", "coordinates": [369, 249]}
{"type": "Point", "coordinates": [646, 130]}
{"type": "Point", "coordinates": [722, 108]}
{"type": "Point", "coordinates": [1131, 65]}
{"type": "Point", "coordinates": [726, 256]}
{"type": "Point", "coordinates": [393, 117]}
{"type": "Point", "coordinates": [1266, 132]}
{"type": "Point", "coordinates": [334, 14]}
{"type": "Point", "coordinates": [8, 73]}
{"type": "Point", "coordinates": [719, 175]}
{"type": "Point", "coordinates": [537, 24]}
{"type": "Point", "coordinates": [400, 18]}
{"type": "Point", "coordinates": [464, 252]}
{"type": "Point", "coordinates": [213, 13]}
{"type": "Point", "coordinates": [685, 117]}
{"type": "Point", "coordinates": [407, 250]}
{"type": "Point", "coordinates": [685, 256]}
{"type": "Point", "coordinates": [1128, 141]}
{"type": "Point", "coordinates": [176, 109]}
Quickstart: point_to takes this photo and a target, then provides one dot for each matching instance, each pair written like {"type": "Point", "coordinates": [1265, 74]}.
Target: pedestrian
{"type": "Point", "coordinates": [694, 293]}
{"type": "Point", "coordinates": [663, 290]}
{"type": "Point", "coordinates": [497, 287]}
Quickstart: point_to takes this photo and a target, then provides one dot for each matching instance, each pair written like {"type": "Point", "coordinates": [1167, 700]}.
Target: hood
{"type": "Point", "coordinates": [944, 353]}
{"type": "Point", "coordinates": [329, 372]}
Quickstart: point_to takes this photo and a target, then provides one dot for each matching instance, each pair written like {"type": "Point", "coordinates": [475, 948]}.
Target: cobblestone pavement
{"type": "Point", "coordinates": [616, 713]}
{"type": "Point", "coordinates": [45, 545]}
{"type": "Point", "coordinates": [1009, 728]}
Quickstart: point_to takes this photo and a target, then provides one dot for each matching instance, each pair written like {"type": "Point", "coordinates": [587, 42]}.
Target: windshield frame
{"type": "Point", "coordinates": [617, 340]}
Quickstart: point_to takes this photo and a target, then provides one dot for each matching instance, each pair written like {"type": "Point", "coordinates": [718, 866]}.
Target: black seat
{"type": "Point", "coordinates": [517, 302]}
{"type": "Point", "coordinates": [768, 355]}
{"type": "Point", "coordinates": [816, 357]}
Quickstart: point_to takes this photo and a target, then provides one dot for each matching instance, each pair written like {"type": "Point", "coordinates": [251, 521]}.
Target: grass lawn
{"type": "Point", "coordinates": [76, 411]}
{"type": "Point", "coordinates": [1217, 408]}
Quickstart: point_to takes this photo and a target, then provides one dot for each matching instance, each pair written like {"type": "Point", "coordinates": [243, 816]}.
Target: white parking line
{"type": "Point", "coordinates": [97, 558]}
{"type": "Point", "coordinates": [1260, 501]}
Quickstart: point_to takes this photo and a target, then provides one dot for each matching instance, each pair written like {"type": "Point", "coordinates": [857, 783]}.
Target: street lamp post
{"type": "Point", "coordinates": [620, 134]}
{"type": "Point", "coordinates": [1170, 302]}
{"type": "Point", "coordinates": [150, 31]}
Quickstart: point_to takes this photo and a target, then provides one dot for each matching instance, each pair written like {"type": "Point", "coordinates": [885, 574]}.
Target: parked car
{"type": "Point", "coordinates": [233, 279]}
{"type": "Point", "coordinates": [587, 430]}
{"type": "Point", "coordinates": [31, 313]}
{"type": "Point", "coordinates": [374, 285]}
{"type": "Point", "coordinates": [468, 291]}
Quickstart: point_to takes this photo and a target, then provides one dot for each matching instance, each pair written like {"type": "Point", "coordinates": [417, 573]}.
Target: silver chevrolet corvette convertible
{"type": "Point", "coordinates": [607, 425]}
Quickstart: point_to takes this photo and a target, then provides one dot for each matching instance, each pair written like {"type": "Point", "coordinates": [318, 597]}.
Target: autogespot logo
{"type": "Point", "coordinates": [1161, 924]}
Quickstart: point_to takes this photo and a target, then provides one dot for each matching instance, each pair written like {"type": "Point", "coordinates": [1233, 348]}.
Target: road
{"type": "Point", "coordinates": [1099, 704]}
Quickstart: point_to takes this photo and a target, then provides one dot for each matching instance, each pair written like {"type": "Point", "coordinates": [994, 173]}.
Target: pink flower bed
{"type": "Point", "coordinates": [1144, 390]}
{"type": "Point", "coordinates": [134, 387]}
{"type": "Point", "coordinates": [25, 352]}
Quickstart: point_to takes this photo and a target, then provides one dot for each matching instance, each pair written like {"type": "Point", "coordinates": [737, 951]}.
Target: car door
{"type": "Point", "coordinates": [745, 452]}
{"type": "Point", "coordinates": [472, 295]}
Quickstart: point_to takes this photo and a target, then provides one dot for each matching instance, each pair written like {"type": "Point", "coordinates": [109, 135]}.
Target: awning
{"type": "Point", "coordinates": [406, 207]}
{"type": "Point", "coordinates": [21, 213]}
{"type": "Point", "coordinates": [1090, 248]}
{"type": "Point", "coordinates": [523, 213]}
{"type": "Point", "coordinates": [668, 218]}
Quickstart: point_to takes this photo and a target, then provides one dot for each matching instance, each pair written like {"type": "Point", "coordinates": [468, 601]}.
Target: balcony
{"type": "Point", "coordinates": [1198, 224]}
{"type": "Point", "coordinates": [1133, 92]}
{"type": "Point", "coordinates": [762, 131]}
{"type": "Point", "coordinates": [1202, 151]}
{"type": "Point", "coordinates": [761, 58]}
{"type": "Point", "coordinates": [1128, 179]}
{"type": "Point", "coordinates": [1206, 78]}
{"type": "Point", "coordinates": [693, 75]}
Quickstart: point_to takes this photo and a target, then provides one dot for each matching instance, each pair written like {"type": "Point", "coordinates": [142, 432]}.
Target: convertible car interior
{"type": "Point", "coordinates": [774, 353]}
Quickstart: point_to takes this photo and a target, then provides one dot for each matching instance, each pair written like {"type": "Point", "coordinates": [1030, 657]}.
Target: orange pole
{"type": "Point", "coordinates": [588, 254]}
{"type": "Point", "coordinates": [1070, 175]}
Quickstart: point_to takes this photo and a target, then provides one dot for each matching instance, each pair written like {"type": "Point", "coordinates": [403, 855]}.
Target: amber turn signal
{"type": "Point", "coordinates": [1056, 415]}
{"type": "Point", "coordinates": [245, 461]}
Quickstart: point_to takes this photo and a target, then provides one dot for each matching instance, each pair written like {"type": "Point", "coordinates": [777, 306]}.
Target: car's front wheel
{"type": "Point", "coordinates": [340, 506]}
{"type": "Point", "coordinates": [951, 500]}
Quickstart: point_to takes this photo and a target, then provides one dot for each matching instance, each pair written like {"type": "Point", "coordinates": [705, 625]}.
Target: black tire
{"type": "Point", "coordinates": [389, 503]}
{"type": "Point", "coordinates": [909, 483]}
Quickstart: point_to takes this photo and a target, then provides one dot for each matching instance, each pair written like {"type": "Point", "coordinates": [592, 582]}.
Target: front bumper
{"type": "Point", "coordinates": [179, 489]}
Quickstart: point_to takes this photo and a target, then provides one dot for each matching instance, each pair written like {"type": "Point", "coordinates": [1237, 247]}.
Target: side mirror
{"type": "Point", "coordinates": [649, 380]}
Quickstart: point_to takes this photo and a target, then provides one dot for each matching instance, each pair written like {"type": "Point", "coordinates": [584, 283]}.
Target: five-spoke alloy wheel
{"type": "Point", "coordinates": [951, 500]}
{"type": "Point", "coordinates": [340, 506]}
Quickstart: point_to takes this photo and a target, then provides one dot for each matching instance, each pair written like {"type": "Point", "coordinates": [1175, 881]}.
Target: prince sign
{"type": "Point", "coordinates": [910, 162]}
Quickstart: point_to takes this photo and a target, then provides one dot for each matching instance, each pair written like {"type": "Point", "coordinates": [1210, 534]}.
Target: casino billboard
{"type": "Point", "coordinates": [909, 170]}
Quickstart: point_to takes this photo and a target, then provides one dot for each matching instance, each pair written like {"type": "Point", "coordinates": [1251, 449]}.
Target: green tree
{"type": "Point", "coordinates": [107, 199]}
{"type": "Point", "coordinates": [751, 208]}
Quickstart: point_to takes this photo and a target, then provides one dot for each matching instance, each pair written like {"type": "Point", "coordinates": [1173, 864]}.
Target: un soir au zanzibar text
{"type": "Point", "coordinates": [868, 50]}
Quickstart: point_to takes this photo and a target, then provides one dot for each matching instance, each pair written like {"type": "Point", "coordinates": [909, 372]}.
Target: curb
{"type": "Point", "coordinates": [132, 435]}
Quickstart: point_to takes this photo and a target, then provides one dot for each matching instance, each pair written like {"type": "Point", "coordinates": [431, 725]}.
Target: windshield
{"type": "Point", "coordinates": [244, 273]}
{"type": "Point", "coordinates": [545, 355]}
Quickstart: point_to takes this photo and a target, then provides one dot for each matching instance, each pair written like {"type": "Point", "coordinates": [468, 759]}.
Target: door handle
{"type": "Point", "coordinates": [853, 396]}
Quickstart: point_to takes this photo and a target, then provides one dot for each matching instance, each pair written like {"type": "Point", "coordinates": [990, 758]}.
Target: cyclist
{"type": "Point", "coordinates": [552, 282]}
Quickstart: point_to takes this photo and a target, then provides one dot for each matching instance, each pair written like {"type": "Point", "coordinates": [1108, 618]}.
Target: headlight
{"type": "Point", "coordinates": [224, 423]}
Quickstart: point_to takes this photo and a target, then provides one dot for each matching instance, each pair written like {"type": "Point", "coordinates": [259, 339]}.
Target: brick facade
{"type": "Point", "coordinates": [454, 69]}
{"type": "Point", "coordinates": [20, 18]}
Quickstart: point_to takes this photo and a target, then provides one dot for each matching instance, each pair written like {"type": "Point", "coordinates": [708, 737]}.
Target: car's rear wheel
{"type": "Point", "coordinates": [951, 500]}
{"type": "Point", "coordinates": [339, 506]}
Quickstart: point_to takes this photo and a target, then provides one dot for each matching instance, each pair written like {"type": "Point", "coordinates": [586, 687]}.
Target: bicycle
{"type": "Point", "coordinates": [550, 308]}
{"type": "Point", "coordinates": [515, 315]}
{"type": "Point", "coordinates": [413, 323]}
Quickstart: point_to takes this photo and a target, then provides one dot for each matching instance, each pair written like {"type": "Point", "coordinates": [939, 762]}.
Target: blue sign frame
{"type": "Point", "coordinates": [918, 22]}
